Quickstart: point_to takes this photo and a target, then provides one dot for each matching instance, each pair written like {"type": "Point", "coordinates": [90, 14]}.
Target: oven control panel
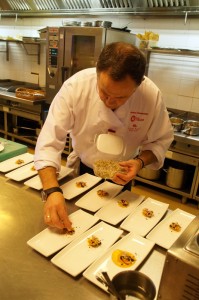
{"type": "Point", "coordinates": [53, 43]}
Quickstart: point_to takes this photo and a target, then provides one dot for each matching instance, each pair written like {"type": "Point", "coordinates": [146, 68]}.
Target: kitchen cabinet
{"type": "Point", "coordinates": [196, 190]}
{"type": "Point", "coordinates": [191, 167]}
{"type": "Point", "coordinates": [22, 119]}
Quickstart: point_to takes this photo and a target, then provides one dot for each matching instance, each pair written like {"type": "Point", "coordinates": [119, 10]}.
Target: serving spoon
{"type": "Point", "coordinates": [111, 286]}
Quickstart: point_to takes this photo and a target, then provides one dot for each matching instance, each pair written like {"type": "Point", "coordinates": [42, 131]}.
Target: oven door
{"type": "Point", "coordinates": [82, 48]}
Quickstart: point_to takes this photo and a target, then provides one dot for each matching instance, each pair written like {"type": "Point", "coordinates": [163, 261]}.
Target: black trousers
{"type": "Point", "coordinates": [85, 169]}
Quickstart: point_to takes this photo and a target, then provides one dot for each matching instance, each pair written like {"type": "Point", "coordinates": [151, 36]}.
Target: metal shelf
{"type": "Point", "coordinates": [187, 192]}
{"type": "Point", "coordinates": [24, 44]}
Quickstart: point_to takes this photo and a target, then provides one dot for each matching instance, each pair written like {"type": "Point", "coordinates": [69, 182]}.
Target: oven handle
{"type": "Point", "coordinates": [66, 73]}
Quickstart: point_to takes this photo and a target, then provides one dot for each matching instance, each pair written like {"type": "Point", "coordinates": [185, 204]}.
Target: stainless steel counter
{"type": "Point", "coordinates": [11, 97]}
{"type": "Point", "coordinates": [25, 274]}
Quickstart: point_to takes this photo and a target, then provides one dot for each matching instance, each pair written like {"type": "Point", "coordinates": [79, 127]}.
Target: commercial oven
{"type": "Point", "coordinates": [73, 48]}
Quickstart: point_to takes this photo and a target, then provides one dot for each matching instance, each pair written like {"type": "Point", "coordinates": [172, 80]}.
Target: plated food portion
{"type": "Point", "coordinates": [16, 162]}
{"type": "Point", "coordinates": [50, 240]}
{"type": "Point", "coordinates": [170, 228]}
{"type": "Point", "coordinates": [80, 253]}
{"type": "Point", "coordinates": [99, 196]}
{"type": "Point", "coordinates": [79, 185]}
{"type": "Point", "coordinates": [22, 173]}
{"type": "Point", "coordinates": [119, 207]}
{"type": "Point", "coordinates": [35, 182]}
{"type": "Point", "coordinates": [145, 216]}
{"type": "Point", "coordinates": [126, 254]}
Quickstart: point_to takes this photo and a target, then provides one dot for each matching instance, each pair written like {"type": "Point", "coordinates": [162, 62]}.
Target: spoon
{"type": "Point", "coordinates": [111, 286]}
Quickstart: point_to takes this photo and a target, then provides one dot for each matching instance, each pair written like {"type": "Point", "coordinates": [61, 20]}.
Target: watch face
{"type": "Point", "coordinates": [46, 193]}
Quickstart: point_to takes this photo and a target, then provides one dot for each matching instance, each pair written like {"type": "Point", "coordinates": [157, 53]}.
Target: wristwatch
{"type": "Point", "coordinates": [46, 193]}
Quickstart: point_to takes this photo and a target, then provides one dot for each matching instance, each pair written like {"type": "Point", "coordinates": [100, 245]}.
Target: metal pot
{"type": "Point", "coordinates": [134, 284]}
{"type": "Point", "coordinates": [105, 24]}
{"type": "Point", "coordinates": [191, 127]}
{"type": "Point", "coordinates": [175, 177]}
{"type": "Point", "coordinates": [86, 24]}
{"type": "Point", "coordinates": [177, 123]}
{"type": "Point", "coordinates": [149, 174]}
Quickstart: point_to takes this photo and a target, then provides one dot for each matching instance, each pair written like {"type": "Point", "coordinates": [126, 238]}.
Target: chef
{"type": "Point", "coordinates": [114, 97]}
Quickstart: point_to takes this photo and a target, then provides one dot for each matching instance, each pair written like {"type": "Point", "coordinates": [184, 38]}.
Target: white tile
{"type": "Point", "coordinates": [184, 103]}
{"type": "Point", "coordinates": [195, 105]}
{"type": "Point", "coordinates": [170, 100]}
{"type": "Point", "coordinates": [196, 90]}
{"type": "Point", "coordinates": [186, 87]}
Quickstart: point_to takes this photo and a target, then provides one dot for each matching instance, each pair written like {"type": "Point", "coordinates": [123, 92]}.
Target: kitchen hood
{"type": "Point", "coordinates": [53, 8]}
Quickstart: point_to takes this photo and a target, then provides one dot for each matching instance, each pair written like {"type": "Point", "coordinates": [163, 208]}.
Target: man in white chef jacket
{"type": "Point", "coordinates": [115, 96]}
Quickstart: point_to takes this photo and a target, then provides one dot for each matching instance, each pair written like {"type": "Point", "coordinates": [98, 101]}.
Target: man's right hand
{"type": "Point", "coordinates": [55, 212]}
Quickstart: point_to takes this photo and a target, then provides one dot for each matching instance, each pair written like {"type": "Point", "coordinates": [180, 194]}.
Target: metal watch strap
{"type": "Point", "coordinates": [46, 193]}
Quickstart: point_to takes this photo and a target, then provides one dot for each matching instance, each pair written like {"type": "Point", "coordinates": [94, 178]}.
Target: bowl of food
{"type": "Point", "coordinates": [107, 169]}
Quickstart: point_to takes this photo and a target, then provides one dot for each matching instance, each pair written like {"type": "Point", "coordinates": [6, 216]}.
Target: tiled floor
{"type": "Point", "coordinates": [174, 200]}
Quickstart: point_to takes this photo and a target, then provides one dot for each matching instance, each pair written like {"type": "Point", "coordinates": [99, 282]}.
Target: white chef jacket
{"type": "Point", "coordinates": [142, 121]}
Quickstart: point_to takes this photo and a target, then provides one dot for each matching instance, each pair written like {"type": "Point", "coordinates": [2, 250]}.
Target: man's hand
{"type": "Point", "coordinates": [132, 167]}
{"type": "Point", "coordinates": [55, 212]}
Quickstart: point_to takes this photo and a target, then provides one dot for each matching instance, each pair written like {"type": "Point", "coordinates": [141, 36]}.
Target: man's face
{"type": "Point", "coordinates": [114, 93]}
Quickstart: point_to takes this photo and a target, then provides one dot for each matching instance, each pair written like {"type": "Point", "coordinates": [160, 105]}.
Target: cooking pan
{"type": "Point", "coordinates": [149, 174]}
{"type": "Point", "coordinates": [191, 127]}
{"type": "Point", "coordinates": [105, 24]}
{"type": "Point", "coordinates": [175, 177]}
{"type": "Point", "coordinates": [177, 123]}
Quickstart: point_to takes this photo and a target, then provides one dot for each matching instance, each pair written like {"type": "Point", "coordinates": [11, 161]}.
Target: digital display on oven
{"type": "Point", "coordinates": [53, 52]}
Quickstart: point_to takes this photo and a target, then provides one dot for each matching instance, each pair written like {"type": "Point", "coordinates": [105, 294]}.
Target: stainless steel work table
{"type": "Point", "coordinates": [26, 274]}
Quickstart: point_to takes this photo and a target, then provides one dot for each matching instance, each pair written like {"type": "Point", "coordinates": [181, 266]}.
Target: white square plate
{"type": "Point", "coordinates": [10, 164]}
{"type": "Point", "coordinates": [162, 234]}
{"type": "Point", "coordinates": [50, 240]}
{"type": "Point", "coordinates": [140, 224]}
{"type": "Point", "coordinates": [70, 190]}
{"type": "Point", "coordinates": [92, 201]}
{"type": "Point", "coordinates": [77, 256]}
{"type": "Point", "coordinates": [132, 243]}
{"type": "Point", "coordinates": [22, 173]}
{"type": "Point", "coordinates": [35, 182]}
{"type": "Point", "coordinates": [114, 213]}
{"type": "Point", "coordinates": [1, 147]}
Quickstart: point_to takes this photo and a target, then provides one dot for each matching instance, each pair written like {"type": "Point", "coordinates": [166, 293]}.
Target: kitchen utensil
{"type": "Point", "coordinates": [105, 24]}
{"type": "Point", "coordinates": [182, 258]}
{"type": "Point", "coordinates": [111, 286]}
{"type": "Point", "coordinates": [175, 177]}
{"type": "Point", "coordinates": [86, 24]}
{"type": "Point", "coordinates": [149, 174]}
{"type": "Point", "coordinates": [135, 284]}
{"type": "Point", "coordinates": [191, 127]}
{"type": "Point", "coordinates": [177, 123]}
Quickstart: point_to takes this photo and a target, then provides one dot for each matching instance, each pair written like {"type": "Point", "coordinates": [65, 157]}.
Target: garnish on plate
{"type": "Point", "coordinates": [123, 259]}
{"type": "Point", "coordinates": [174, 226]}
{"type": "Point", "coordinates": [94, 241]}
{"type": "Point", "coordinates": [19, 161]}
{"type": "Point", "coordinates": [70, 232]}
{"type": "Point", "coordinates": [80, 184]}
{"type": "Point", "coordinates": [147, 213]}
{"type": "Point", "coordinates": [123, 203]}
{"type": "Point", "coordinates": [102, 193]}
